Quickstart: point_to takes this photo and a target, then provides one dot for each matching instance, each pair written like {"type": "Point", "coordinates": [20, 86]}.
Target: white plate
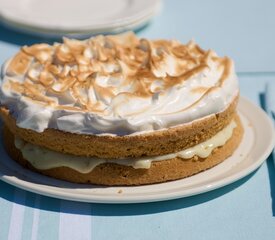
{"type": "Point", "coordinates": [255, 147]}
{"type": "Point", "coordinates": [78, 34]}
{"type": "Point", "coordinates": [64, 17]}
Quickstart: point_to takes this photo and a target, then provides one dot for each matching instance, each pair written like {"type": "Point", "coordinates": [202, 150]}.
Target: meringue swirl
{"type": "Point", "coordinates": [116, 84]}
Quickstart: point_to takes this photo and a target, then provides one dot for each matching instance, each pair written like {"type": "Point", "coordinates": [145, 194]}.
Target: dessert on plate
{"type": "Point", "coordinates": [119, 110]}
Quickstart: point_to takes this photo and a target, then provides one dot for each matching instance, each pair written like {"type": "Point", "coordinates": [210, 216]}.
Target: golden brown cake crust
{"type": "Point", "coordinates": [149, 144]}
{"type": "Point", "coordinates": [114, 174]}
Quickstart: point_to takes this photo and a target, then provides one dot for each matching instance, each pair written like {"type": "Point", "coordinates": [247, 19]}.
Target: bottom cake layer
{"type": "Point", "coordinates": [112, 174]}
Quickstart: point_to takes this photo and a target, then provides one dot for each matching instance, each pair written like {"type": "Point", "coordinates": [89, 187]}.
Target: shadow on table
{"type": "Point", "coordinates": [20, 38]}
{"type": "Point", "coordinates": [270, 164]}
{"type": "Point", "coordinates": [271, 174]}
{"type": "Point", "coordinates": [96, 209]}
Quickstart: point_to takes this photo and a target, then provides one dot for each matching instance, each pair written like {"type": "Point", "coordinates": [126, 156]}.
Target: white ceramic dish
{"type": "Point", "coordinates": [77, 18]}
{"type": "Point", "coordinates": [257, 144]}
{"type": "Point", "coordinates": [79, 34]}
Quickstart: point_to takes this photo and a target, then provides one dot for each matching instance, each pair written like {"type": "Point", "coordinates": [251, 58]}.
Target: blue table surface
{"type": "Point", "coordinates": [242, 210]}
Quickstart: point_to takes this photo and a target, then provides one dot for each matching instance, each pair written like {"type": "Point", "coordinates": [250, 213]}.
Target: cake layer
{"type": "Point", "coordinates": [115, 85]}
{"type": "Point", "coordinates": [42, 158]}
{"type": "Point", "coordinates": [161, 168]}
{"type": "Point", "coordinates": [148, 144]}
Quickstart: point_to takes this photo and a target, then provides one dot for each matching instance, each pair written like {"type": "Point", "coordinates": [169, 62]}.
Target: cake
{"type": "Point", "coordinates": [119, 110]}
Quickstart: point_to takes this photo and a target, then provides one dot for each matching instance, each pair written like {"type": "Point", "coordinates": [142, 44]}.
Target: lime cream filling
{"type": "Point", "coordinates": [42, 158]}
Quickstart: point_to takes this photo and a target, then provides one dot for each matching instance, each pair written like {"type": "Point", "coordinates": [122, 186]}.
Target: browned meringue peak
{"type": "Point", "coordinates": [41, 52]}
{"type": "Point", "coordinates": [90, 73]}
{"type": "Point", "coordinates": [19, 64]}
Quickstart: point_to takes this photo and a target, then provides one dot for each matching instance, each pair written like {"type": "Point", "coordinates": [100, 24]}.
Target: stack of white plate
{"type": "Point", "coordinates": [76, 18]}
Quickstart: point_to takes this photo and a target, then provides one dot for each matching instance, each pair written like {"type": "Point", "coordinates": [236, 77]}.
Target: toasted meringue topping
{"type": "Point", "coordinates": [115, 85]}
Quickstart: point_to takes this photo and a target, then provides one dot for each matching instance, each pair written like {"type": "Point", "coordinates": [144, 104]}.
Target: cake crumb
{"type": "Point", "coordinates": [119, 191]}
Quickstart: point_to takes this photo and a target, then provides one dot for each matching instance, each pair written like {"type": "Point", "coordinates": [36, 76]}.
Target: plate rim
{"type": "Point", "coordinates": [81, 34]}
{"type": "Point", "coordinates": [53, 191]}
{"type": "Point", "coordinates": [143, 14]}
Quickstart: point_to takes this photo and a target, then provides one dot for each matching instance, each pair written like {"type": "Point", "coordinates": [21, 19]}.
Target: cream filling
{"type": "Point", "coordinates": [42, 158]}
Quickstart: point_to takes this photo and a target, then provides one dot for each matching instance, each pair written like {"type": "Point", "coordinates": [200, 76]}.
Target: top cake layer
{"type": "Point", "coordinates": [115, 85]}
